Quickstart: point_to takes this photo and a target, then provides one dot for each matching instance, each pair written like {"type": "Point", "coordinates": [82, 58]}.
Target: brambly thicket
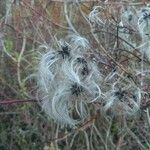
{"type": "Point", "coordinates": [74, 75]}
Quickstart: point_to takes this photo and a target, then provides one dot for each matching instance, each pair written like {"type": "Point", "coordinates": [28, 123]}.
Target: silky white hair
{"type": "Point", "coordinates": [67, 84]}
{"type": "Point", "coordinates": [70, 81]}
{"type": "Point", "coordinates": [138, 21]}
{"type": "Point", "coordinates": [128, 27]}
{"type": "Point", "coordinates": [95, 14]}
{"type": "Point", "coordinates": [124, 99]}
{"type": "Point", "coordinates": [144, 21]}
{"type": "Point", "coordinates": [144, 29]}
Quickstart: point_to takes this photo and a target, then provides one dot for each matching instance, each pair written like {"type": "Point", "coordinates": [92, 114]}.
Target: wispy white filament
{"type": "Point", "coordinates": [69, 83]}
{"type": "Point", "coordinates": [94, 16]}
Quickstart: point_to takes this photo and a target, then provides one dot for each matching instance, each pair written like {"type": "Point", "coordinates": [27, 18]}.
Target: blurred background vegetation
{"type": "Point", "coordinates": [24, 26]}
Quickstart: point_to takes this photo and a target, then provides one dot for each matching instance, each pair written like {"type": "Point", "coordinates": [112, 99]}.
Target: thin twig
{"type": "Point", "coordinates": [118, 146]}
{"type": "Point", "coordinates": [9, 102]}
{"type": "Point", "coordinates": [85, 125]}
{"type": "Point", "coordinates": [19, 60]}
{"type": "Point", "coordinates": [23, 3]}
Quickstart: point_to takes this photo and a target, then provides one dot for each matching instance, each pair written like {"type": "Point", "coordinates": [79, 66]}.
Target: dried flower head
{"type": "Point", "coordinates": [124, 96]}
{"type": "Point", "coordinates": [144, 21]}
{"type": "Point", "coordinates": [144, 29]}
{"type": "Point", "coordinates": [68, 82]}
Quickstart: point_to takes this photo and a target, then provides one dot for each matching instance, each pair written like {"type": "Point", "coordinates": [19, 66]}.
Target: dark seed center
{"type": "Point", "coordinates": [76, 89]}
{"type": "Point", "coordinates": [64, 52]}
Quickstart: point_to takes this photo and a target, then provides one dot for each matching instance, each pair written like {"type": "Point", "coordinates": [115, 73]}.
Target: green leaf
{"type": "Point", "coordinates": [147, 146]}
{"type": "Point", "coordinates": [8, 44]}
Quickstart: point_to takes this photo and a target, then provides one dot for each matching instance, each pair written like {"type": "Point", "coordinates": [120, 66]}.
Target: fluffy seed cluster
{"type": "Point", "coordinates": [138, 21]}
{"type": "Point", "coordinates": [68, 81]}
{"type": "Point", "coordinates": [123, 97]}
